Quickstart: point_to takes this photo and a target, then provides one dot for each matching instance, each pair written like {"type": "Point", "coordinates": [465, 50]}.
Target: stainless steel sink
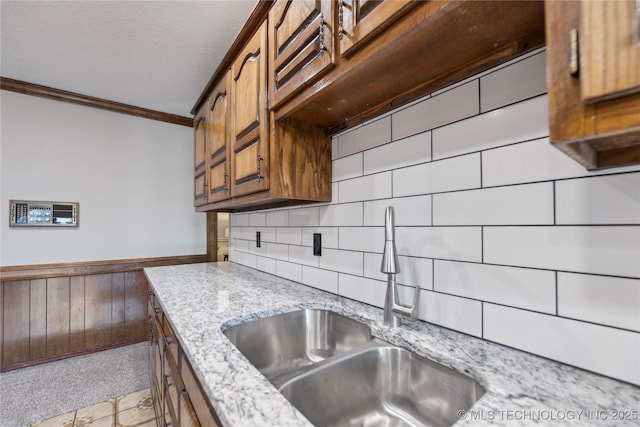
{"type": "Point", "coordinates": [384, 386]}
{"type": "Point", "coordinates": [334, 372]}
{"type": "Point", "coordinates": [284, 345]}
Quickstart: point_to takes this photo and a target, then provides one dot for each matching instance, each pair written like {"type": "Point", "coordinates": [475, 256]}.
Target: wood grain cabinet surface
{"type": "Point", "coordinates": [593, 74]}
{"type": "Point", "coordinates": [267, 163]}
{"type": "Point", "coordinates": [178, 399]}
{"type": "Point", "coordinates": [250, 117]}
{"type": "Point", "coordinates": [301, 45]}
{"type": "Point", "coordinates": [217, 142]}
{"type": "Point", "coordinates": [200, 158]}
{"type": "Point", "coordinates": [361, 20]}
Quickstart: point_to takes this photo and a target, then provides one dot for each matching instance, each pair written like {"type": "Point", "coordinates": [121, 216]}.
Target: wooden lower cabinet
{"type": "Point", "coordinates": [178, 399]}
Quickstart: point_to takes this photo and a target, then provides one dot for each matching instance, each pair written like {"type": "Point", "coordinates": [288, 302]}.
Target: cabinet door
{"type": "Point", "coordinates": [200, 158]}
{"type": "Point", "coordinates": [361, 20]}
{"type": "Point", "coordinates": [610, 48]}
{"type": "Point", "coordinates": [218, 143]}
{"type": "Point", "coordinates": [300, 45]}
{"type": "Point", "coordinates": [250, 124]}
{"type": "Point", "coordinates": [597, 134]}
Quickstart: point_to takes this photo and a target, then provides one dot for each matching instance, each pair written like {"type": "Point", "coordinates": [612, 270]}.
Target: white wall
{"type": "Point", "coordinates": [509, 239]}
{"type": "Point", "coordinates": [132, 177]}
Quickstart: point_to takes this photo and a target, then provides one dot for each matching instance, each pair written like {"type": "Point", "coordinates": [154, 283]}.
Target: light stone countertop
{"type": "Point", "coordinates": [201, 300]}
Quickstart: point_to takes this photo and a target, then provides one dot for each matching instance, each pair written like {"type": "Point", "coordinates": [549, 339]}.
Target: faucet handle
{"type": "Point", "coordinates": [411, 311]}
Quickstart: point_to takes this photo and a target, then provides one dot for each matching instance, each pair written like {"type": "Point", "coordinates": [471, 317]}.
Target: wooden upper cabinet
{"type": "Point", "coordinates": [249, 117]}
{"type": "Point", "coordinates": [200, 157]}
{"type": "Point", "coordinates": [610, 48]}
{"type": "Point", "coordinates": [218, 147]}
{"type": "Point", "coordinates": [301, 45]}
{"type": "Point", "coordinates": [593, 75]}
{"type": "Point", "coordinates": [361, 20]}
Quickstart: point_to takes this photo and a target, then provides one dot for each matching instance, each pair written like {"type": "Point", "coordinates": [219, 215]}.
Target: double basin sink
{"type": "Point", "coordinates": [336, 373]}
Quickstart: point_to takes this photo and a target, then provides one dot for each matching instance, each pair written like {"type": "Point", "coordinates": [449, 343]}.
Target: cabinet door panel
{"type": "Point", "coordinates": [250, 154]}
{"type": "Point", "coordinates": [361, 20]}
{"type": "Point", "coordinates": [218, 143]}
{"type": "Point", "coordinates": [610, 49]}
{"type": "Point", "coordinates": [200, 156]}
{"type": "Point", "coordinates": [301, 45]}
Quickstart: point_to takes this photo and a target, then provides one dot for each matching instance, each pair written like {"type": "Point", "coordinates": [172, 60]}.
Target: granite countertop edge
{"type": "Point", "coordinates": [201, 300]}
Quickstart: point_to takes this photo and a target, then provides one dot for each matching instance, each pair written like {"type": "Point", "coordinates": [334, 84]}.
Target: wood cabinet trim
{"type": "Point", "coordinates": [32, 89]}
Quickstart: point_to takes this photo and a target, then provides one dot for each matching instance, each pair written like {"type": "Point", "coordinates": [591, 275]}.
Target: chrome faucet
{"type": "Point", "coordinates": [393, 310]}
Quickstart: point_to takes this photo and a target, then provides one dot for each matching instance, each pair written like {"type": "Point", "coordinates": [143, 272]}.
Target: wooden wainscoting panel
{"type": "Point", "coordinates": [76, 314]}
{"type": "Point", "coordinates": [117, 307]}
{"type": "Point", "coordinates": [15, 323]}
{"type": "Point", "coordinates": [97, 305]}
{"type": "Point", "coordinates": [136, 324]}
{"type": "Point", "coordinates": [57, 315]}
{"type": "Point", "coordinates": [50, 312]}
{"type": "Point", "coordinates": [38, 319]}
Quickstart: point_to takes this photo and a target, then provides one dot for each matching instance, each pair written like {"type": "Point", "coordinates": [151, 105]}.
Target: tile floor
{"type": "Point", "coordinates": [131, 410]}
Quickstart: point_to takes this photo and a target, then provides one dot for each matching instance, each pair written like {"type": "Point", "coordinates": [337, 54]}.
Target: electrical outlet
{"type": "Point", "coordinates": [317, 244]}
{"type": "Point", "coordinates": [257, 239]}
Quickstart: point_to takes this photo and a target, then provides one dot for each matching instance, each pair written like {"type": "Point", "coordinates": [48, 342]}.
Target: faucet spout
{"type": "Point", "coordinates": [393, 310]}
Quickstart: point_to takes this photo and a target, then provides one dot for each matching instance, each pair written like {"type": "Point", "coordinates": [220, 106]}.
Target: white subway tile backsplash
{"type": "Point", "coordinates": [371, 135]}
{"type": "Point", "coordinates": [598, 250]}
{"type": "Point", "coordinates": [258, 219]}
{"type": "Point", "coordinates": [518, 81]}
{"type": "Point", "coordinates": [276, 250]}
{"type": "Point", "coordinates": [303, 255]}
{"type": "Point", "coordinates": [346, 167]}
{"type": "Point", "coordinates": [321, 279]}
{"type": "Point", "coordinates": [361, 289]}
{"type": "Point", "coordinates": [517, 287]}
{"type": "Point", "coordinates": [329, 236]}
{"type": "Point", "coordinates": [304, 217]}
{"type": "Point", "coordinates": [350, 262]}
{"type": "Point", "coordinates": [248, 233]}
{"type": "Point", "coordinates": [249, 260]}
{"type": "Point", "coordinates": [519, 205]}
{"type": "Point", "coordinates": [515, 123]}
{"type": "Point", "coordinates": [349, 214]}
{"type": "Point", "coordinates": [414, 210]}
{"type": "Point", "coordinates": [267, 265]}
{"type": "Point", "coordinates": [612, 352]}
{"type": "Point", "coordinates": [267, 234]}
{"type": "Point", "coordinates": [452, 312]}
{"type": "Point", "coordinates": [448, 107]}
{"type": "Point", "coordinates": [278, 218]}
{"type": "Point", "coordinates": [413, 271]}
{"type": "Point", "coordinates": [289, 235]}
{"type": "Point", "coordinates": [289, 270]}
{"type": "Point", "coordinates": [405, 152]}
{"type": "Point", "coordinates": [458, 173]}
{"type": "Point", "coordinates": [528, 162]}
{"type": "Point", "coordinates": [452, 243]}
{"type": "Point", "coordinates": [368, 187]}
{"type": "Point", "coordinates": [610, 301]}
{"type": "Point", "coordinates": [240, 220]}
{"type": "Point", "coordinates": [366, 239]}
{"type": "Point", "coordinates": [613, 199]}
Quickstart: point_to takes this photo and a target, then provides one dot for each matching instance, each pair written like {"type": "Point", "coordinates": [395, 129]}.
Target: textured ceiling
{"type": "Point", "coordinates": [151, 54]}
